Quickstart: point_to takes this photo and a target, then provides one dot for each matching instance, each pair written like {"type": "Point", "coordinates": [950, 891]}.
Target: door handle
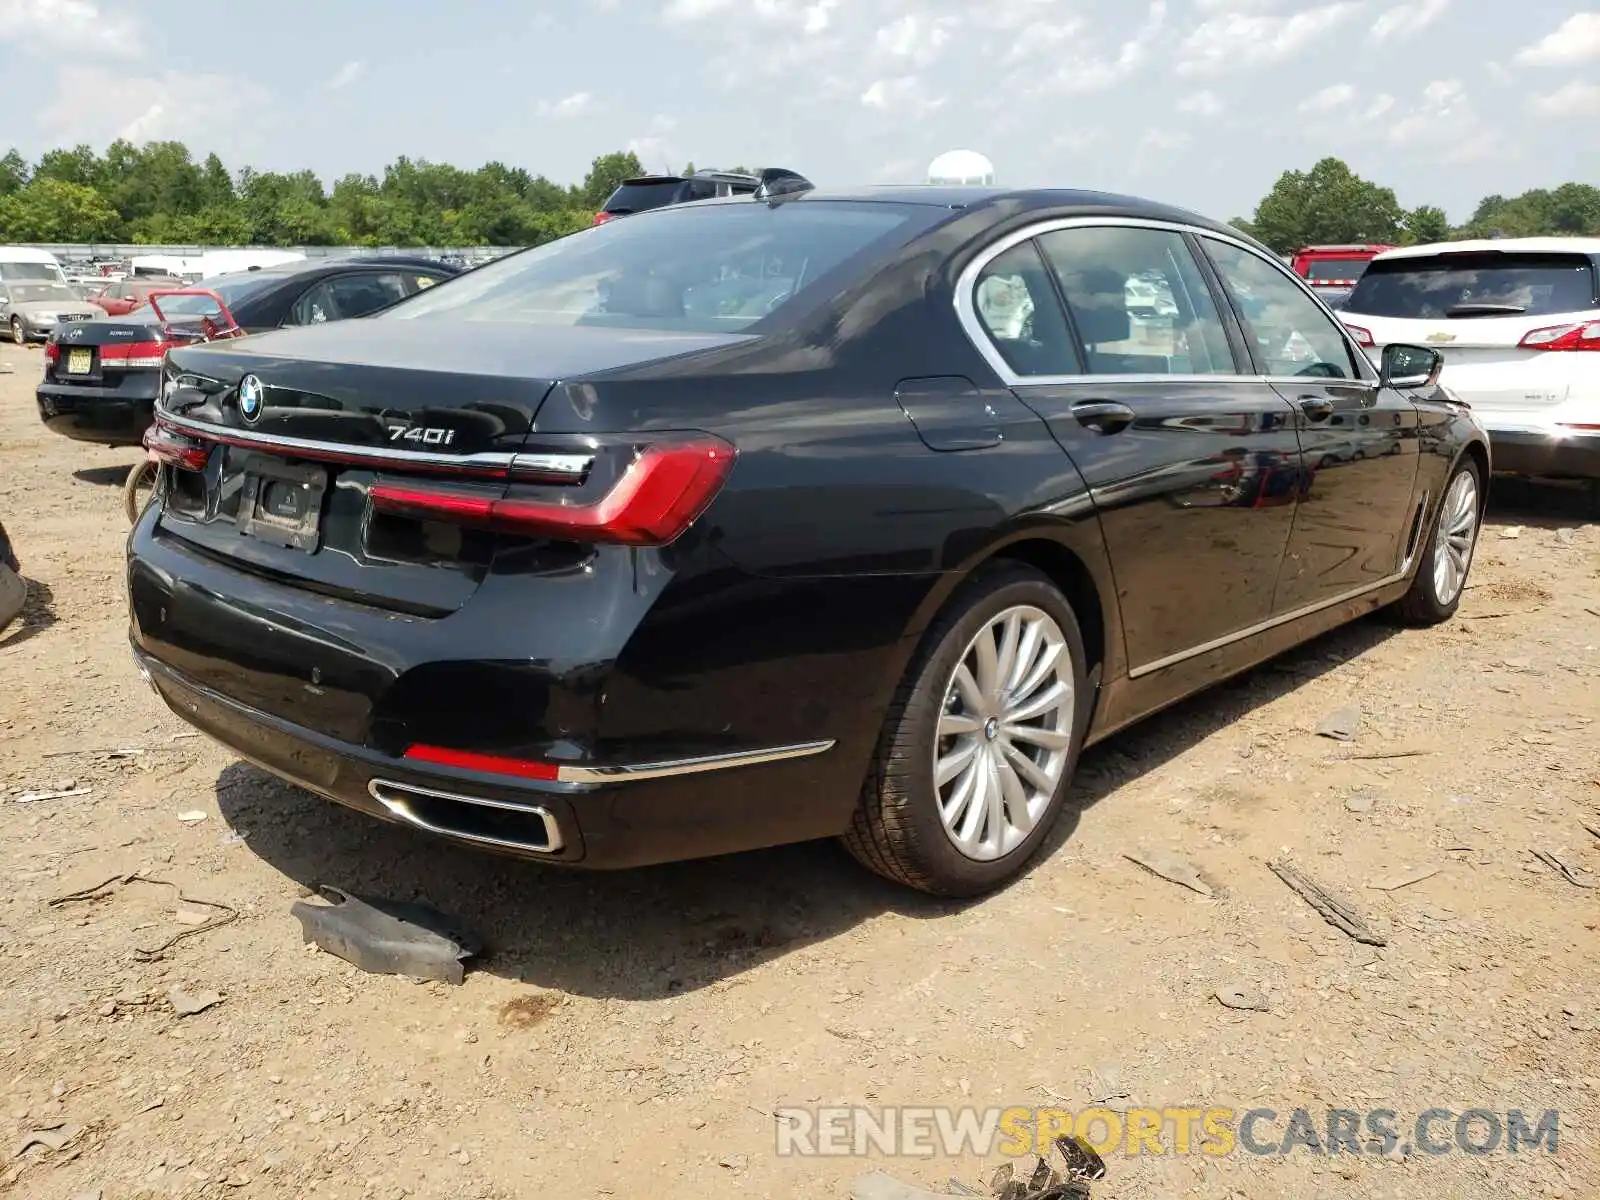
{"type": "Point", "coordinates": [1103, 416]}
{"type": "Point", "coordinates": [1316, 408]}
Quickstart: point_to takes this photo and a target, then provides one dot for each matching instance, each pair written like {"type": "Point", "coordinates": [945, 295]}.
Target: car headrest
{"type": "Point", "coordinates": [1099, 304]}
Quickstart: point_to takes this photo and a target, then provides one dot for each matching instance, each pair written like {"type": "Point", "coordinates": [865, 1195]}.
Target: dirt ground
{"type": "Point", "coordinates": [632, 1034]}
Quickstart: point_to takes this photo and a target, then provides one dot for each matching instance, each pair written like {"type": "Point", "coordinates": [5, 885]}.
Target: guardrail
{"type": "Point", "coordinates": [90, 250]}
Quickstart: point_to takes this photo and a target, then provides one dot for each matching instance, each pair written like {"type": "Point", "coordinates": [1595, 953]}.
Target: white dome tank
{"type": "Point", "coordinates": [961, 168]}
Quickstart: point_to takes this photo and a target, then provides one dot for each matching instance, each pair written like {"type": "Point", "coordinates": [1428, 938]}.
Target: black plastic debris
{"type": "Point", "coordinates": [387, 937]}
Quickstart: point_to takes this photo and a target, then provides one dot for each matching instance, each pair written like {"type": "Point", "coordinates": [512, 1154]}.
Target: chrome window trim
{"type": "Point", "coordinates": [1304, 610]}
{"type": "Point", "coordinates": [567, 466]}
{"type": "Point", "coordinates": [972, 324]}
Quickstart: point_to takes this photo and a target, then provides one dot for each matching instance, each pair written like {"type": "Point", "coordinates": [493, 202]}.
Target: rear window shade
{"type": "Point", "coordinates": [1489, 284]}
{"type": "Point", "coordinates": [637, 197]}
{"type": "Point", "coordinates": [1319, 270]}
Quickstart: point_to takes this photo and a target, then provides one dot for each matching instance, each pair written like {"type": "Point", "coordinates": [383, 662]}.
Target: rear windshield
{"type": "Point", "coordinates": [689, 269]}
{"type": "Point", "coordinates": [232, 291]}
{"type": "Point", "coordinates": [1319, 269]}
{"type": "Point", "coordinates": [15, 272]}
{"type": "Point", "coordinates": [30, 293]}
{"type": "Point", "coordinates": [637, 197]}
{"type": "Point", "coordinates": [1492, 284]}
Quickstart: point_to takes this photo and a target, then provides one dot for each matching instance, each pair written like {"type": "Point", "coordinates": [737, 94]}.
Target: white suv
{"type": "Point", "coordinates": [1518, 323]}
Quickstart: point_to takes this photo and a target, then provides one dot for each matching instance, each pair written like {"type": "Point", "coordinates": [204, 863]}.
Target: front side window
{"type": "Point", "coordinates": [1139, 301]}
{"type": "Point", "coordinates": [683, 269]}
{"type": "Point", "coordinates": [1290, 332]}
{"type": "Point", "coordinates": [1019, 312]}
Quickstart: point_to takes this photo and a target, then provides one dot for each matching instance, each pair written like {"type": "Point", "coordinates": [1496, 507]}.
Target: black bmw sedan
{"type": "Point", "coordinates": [765, 519]}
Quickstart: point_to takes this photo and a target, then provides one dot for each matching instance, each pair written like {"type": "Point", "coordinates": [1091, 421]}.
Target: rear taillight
{"type": "Point", "coordinates": [656, 498]}
{"type": "Point", "coordinates": [132, 355]}
{"type": "Point", "coordinates": [600, 218]}
{"type": "Point", "coordinates": [1362, 336]}
{"type": "Point", "coordinates": [1585, 336]}
{"type": "Point", "coordinates": [52, 352]}
{"type": "Point", "coordinates": [174, 450]}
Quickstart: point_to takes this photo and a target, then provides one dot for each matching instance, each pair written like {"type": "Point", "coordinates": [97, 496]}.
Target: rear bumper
{"type": "Point", "coordinates": [658, 812]}
{"type": "Point", "coordinates": [107, 416]}
{"type": "Point", "coordinates": [1545, 455]}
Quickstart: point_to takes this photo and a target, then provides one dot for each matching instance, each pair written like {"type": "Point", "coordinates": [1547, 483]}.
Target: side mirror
{"type": "Point", "coordinates": [1409, 366]}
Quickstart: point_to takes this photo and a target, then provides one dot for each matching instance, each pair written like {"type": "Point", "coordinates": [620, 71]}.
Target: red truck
{"type": "Point", "coordinates": [1333, 270]}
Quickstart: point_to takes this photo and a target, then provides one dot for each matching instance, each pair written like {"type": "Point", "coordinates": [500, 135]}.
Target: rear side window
{"type": "Point", "coordinates": [1019, 311]}
{"type": "Point", "coordinates": [685, 269]}
{"type": "Point", "coordinates": [1488, 284]}
{"type": "Point", "coordinates": [640, 197]}
{"type": "Point", "coordinates": [1139, 301]}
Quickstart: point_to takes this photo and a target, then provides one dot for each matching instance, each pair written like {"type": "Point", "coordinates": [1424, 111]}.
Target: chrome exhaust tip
{"type": "Point", "coordinates": [500, 824]}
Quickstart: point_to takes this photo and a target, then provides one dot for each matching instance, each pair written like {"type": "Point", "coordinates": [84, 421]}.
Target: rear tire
{"type": "Point", "coordinates": [981, 826]}
{"type": "Point", "coordinates": [1441, 578]}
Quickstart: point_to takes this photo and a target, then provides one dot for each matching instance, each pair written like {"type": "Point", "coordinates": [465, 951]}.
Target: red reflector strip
{"type": "Point", "coordinates": [1579, 428]}
{"type": "Point", "coordinates": [488, 764]}
{"type": "Point", "coordinates": [657, 498]}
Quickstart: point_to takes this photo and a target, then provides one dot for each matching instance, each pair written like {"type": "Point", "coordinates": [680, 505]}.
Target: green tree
{"type": "Point", "coordinates": [1426, 224]}
{"type": "Point", "coordinates": [14, 173]}
{"type": "Point", "coordinates": [605, 173]}
{"type": "Point", "coordinates": [79, 165]}
{"type": "Point", "coordinates": [1328, 204]}
{"type": "Point", "coordinates": [53, 210]}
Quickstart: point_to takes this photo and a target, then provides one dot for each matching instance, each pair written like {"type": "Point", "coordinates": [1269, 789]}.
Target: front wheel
{"type": "Point", "coordinates": [979, 745]}
{"type": "Point", "coordinates": [19, 335]}
{"type": "Point", "coordinates": [1441, 576]}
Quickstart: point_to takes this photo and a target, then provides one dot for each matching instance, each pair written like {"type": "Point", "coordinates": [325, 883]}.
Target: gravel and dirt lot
{"type": "Point", "coordinates": [632, 1034]}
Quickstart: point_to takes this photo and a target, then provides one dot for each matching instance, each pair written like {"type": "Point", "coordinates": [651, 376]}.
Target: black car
{"type": "Point", "coordinates": [783, 517]}
{"type": "Point", "coordinates": [656, 191]}
{"type": "Point", "coordinates": [101, 377]}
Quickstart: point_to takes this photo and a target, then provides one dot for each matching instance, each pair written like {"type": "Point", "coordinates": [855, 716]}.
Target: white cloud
{"type": "Point", "coordinates": [1381, 103]}
{"type": "Point", "coordinates": [1071, 66]}
{"type": "Point", "coordinates": [148, 108]}
{"type": "Point", "coordinates": [1576, 41]}
{"type": "Point", "coordinates": [346, 75]}
{"type": "Point", "coordinates": [1330, 99]}
{"type": "Point", "coordinates": [920, 39]}
{"type": "Point", "coordinates": [1238, 37]}
{"type": "Point", "coordinates": [575, 105]}
{"type": "Point", "coordinates": [810, 16]}
{"type": "Point", "coordinates": [1204, 103]}
{"type": "Point", "coordinates": [1444, 125]}
{"type": "Point", "coordinates": [904, 94]}
{"type": "Point", "coordinates": [1574, 100]}
{"type": "Point", "coordinates": [1405, 20]}
{"type": "Point", "coordinates": [69, 26]}
{"type": "Point", "coordinates": [1164, 140]}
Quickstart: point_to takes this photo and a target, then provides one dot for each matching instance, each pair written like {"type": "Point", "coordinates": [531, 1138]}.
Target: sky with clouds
{"type": "Point", "coordinates": [1196, 102]}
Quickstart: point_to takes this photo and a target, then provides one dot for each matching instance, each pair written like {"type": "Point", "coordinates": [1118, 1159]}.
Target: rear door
{"type": "Point", "coordinates": [1193, 464]}
{"type": "Point", "coordinates": [1478, 308]}
{"type": "Point", "coordinates": [1358, 441]}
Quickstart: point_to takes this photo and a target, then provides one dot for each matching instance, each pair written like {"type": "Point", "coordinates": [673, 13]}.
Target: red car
{"type": "Point", "coordinates": [1332, 271]}
{"type": "Point", "coordinates": [124, 295]}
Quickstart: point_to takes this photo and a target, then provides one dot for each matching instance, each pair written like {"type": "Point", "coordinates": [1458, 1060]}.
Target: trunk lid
{"type": "Point", "coordinates": [300, 424]}
{"type": "Point", "coordinates": [100, 353]}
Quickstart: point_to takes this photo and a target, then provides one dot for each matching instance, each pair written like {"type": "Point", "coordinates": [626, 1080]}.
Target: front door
{"type": "Point", "coordinates": [1358, 441]}
{"type": "Point", "coordinates": [1193, 464]}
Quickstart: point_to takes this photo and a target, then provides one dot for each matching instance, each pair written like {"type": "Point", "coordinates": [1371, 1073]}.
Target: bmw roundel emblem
{"type": "Point", "coordinates": [250, 398]}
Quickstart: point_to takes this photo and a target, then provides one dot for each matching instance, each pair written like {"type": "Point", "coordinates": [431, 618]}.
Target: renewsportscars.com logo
{"type": "Point", "coordinates": [954, 1132]}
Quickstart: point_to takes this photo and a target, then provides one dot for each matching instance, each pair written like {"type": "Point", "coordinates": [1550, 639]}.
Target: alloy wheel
{"type": "Point", "coordinates": [1458, 531]}
{"type": "Point", "coordinates": [1005, 732]}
